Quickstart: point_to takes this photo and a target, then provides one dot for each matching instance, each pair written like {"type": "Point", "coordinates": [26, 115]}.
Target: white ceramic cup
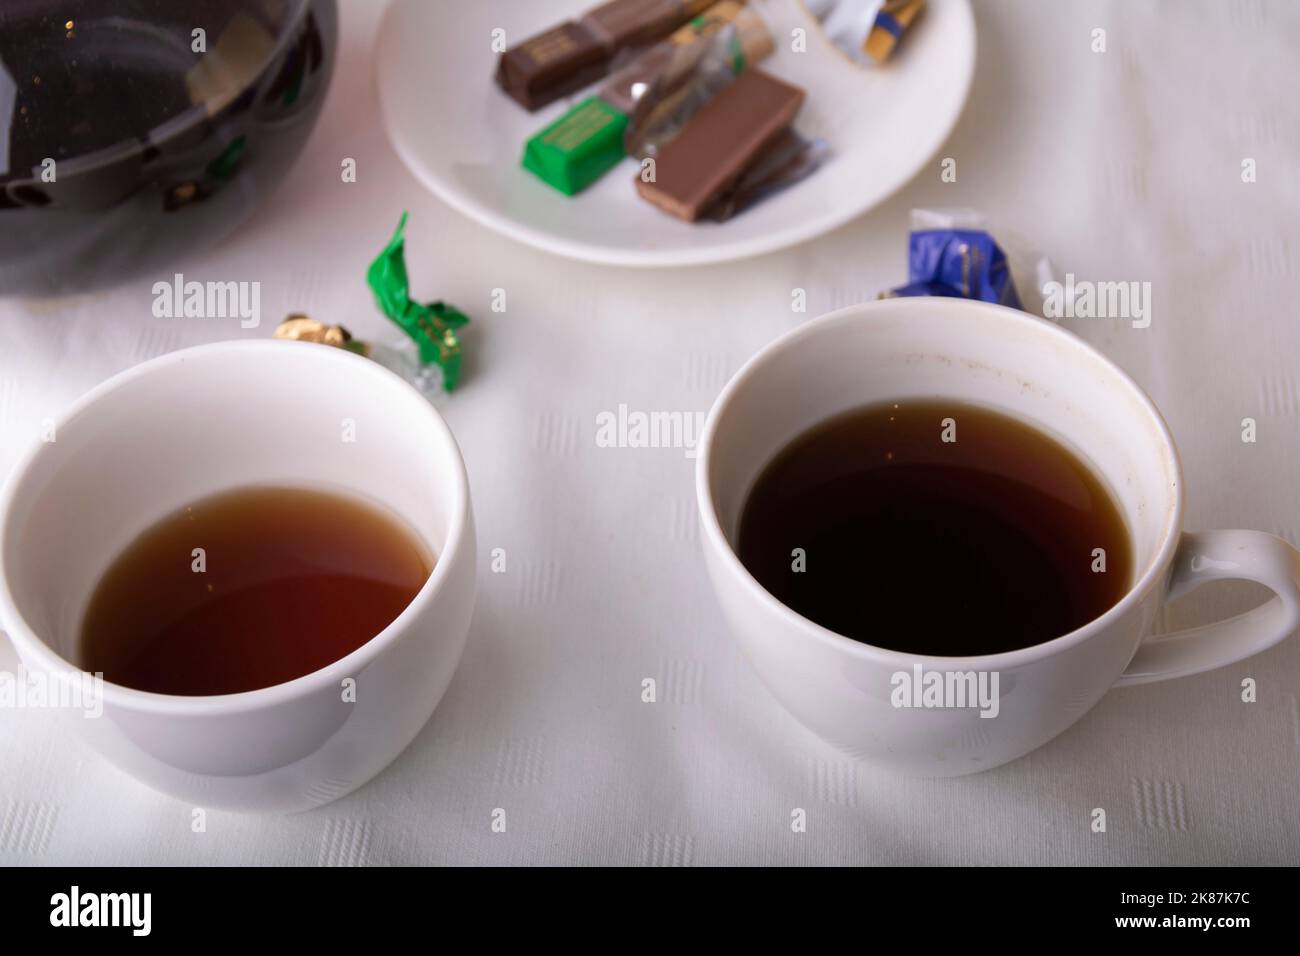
{"type": "Point", "coordinates": [845, 691]}
{"type": "Point", "coordinates": [207, 419]}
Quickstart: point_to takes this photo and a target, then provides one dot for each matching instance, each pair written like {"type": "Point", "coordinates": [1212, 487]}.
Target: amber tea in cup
{"type": "Point", "coordinates": [249, 588]}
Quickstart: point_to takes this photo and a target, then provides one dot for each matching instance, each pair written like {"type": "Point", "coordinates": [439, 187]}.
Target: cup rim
{"type": "Point", "coordinates": [990, 313]}
{"type": "Point", "coordinates": [49, 660]}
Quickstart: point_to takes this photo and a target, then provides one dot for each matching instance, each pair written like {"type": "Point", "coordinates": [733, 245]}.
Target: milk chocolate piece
{"type": "Point", "coordinates": [572, 55]}
{"type": "Point", "coordinates": [632, 23]}
{"type": "Point", "coordinates": [552, 64]}
{"type": "Point", "coordinates": [720, 143]}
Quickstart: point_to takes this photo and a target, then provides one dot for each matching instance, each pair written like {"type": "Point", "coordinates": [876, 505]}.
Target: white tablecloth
{"type": "Point", "coordinates": [1123, 165]}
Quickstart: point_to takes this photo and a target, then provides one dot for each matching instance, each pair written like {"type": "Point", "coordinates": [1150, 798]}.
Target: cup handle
{"type": "Point", "coordinates": [1213, 556]}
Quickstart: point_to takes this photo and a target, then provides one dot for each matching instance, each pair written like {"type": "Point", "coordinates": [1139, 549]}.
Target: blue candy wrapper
{"type": "Point", "coordinates": [962, 263]}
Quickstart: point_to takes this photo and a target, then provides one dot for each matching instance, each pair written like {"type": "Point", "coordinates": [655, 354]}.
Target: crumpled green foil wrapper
{"type": "Point", "coordinates": [432, 326]}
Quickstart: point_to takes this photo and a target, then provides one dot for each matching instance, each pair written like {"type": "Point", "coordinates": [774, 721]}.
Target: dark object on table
{"type": "Point", "coordinates": [720, 143]}
{"type": "Point", "coordinates": [574, 54]}
{"type": "Point", "coordinates": [128, 139]}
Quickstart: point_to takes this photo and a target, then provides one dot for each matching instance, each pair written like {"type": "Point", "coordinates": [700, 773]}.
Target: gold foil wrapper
{"type": "Point", "coordinates": [302, 328]}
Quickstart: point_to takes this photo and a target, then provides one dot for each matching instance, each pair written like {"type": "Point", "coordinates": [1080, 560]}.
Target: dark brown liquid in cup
{"type": "Point", "coordinates": [294, 580]}
{"type": "Point", "coordinates": [977, 546]}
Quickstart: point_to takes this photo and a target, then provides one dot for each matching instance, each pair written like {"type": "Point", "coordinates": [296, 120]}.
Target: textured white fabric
{"type": "Point", "coordinates": [1122, 165]}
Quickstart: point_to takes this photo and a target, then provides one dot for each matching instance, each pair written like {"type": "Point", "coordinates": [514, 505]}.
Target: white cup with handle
{"type": "Point", "coordinates": [1032, 370]}
{"type": "Point", "coordinates": [204, 420]}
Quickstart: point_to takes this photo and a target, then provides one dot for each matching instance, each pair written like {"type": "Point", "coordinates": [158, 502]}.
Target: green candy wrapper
{"type": "Point", "coordinates": [578, 148]}
{"type": "Point", "coordinates": [432, 326]}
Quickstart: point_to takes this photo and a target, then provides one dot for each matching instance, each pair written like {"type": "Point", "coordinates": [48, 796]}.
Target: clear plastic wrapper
{"type": "Point", "coordinates": [789, 160]}
{"type": "Point", "coordinates": [698, 73]}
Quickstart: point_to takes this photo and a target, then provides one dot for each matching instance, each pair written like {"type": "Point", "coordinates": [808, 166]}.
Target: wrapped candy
{"type": "Point", "coordinates": [400, 357]}
{"type": "Point", "coordinates": [303, 328]}
{"type": "Point", "coordinates": [866, 31]}
{"type": "Point", "coordinates": [427, 356]}
{"type": "Point", "coordinates": [950, 253]}
{"type": "Point", "coordinates": [431, 326]}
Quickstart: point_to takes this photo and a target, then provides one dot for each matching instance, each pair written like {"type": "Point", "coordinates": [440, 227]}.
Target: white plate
{"type": "Point", "coordinates": [463, 138]}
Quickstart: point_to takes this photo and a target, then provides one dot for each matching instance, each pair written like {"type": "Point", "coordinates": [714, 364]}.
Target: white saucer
{"type": "Point", "coordinates": [463, 137]}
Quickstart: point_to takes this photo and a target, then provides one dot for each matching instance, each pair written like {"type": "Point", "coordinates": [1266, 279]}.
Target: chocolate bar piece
{"type": "Point", "coordinates": [631, 23]}
{"type": "Point", "coordinates": [553, 64]}
{"type": "Point", "coordinates": [720, 143]}
{"type": "Point", "coordinates": [574, 54]}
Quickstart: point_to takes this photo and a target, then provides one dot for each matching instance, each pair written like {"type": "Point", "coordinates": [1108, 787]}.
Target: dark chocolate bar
{"type": "Point", "coordinates": [552, 64]}
{"type": "Point", "coordinates": [572, 55]}
{"type": "Point", "coordinates": [631, 23]}
{"type": "Point", "coordinates": [720, 143]}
